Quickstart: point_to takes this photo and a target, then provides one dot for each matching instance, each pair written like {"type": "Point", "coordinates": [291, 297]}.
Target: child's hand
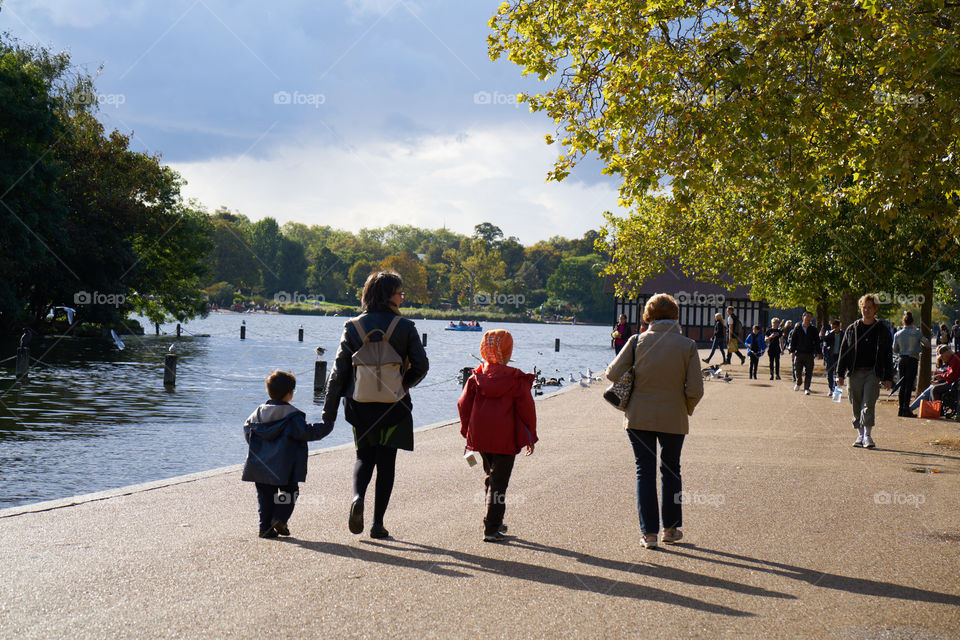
{"type": "Point", "coordinates": [529, 450]}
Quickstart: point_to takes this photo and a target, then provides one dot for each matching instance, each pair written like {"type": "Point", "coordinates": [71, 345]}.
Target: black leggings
{"type": "Point", "coordinates": [384, 459]}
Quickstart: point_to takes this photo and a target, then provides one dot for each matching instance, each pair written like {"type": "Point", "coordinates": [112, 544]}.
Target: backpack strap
{"type": "Point", "coordinates": [359, 327]}
{"type": "Point", "coordinates": [391, 327]}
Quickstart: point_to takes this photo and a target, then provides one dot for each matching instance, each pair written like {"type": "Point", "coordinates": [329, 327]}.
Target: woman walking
{"type": "Point", "coordinates": [379, 427]}
{"type": "Point", "coordinates": [667, 385]}
{"type": "Point", "coordinates": [718, 341]}
{"type": "Point", "coordinates": [774, 347]}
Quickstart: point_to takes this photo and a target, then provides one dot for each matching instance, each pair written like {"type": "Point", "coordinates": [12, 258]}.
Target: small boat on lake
{"type": "Point", "coordinates": [463, 327]}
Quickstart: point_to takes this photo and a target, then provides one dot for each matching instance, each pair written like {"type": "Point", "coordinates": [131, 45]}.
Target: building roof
{"type": "Point", "coordinates": [673, 281]}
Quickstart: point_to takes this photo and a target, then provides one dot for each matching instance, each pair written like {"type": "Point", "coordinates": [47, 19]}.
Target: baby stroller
{"type": "Point", "coordinates": [950, 402]}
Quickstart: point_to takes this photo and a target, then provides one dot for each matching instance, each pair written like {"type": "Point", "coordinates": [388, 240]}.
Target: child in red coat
{"type": "Point", "coordinates": [498, 419]}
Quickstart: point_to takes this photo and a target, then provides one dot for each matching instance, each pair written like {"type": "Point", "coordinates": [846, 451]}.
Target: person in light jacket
{"type": "Point", "coordinates": [667, 385]}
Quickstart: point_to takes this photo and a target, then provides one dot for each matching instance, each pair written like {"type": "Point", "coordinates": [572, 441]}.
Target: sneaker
{"type": "Point", "coordinates": [502, 529]}
{"type": "Point", "coordinates": [378, 532]}
{"type": "Point", "coordinates": [269, 532]}
{"type": "Point", "coordinates": [672, 536]}
{"type": "Point", "coordinates": [806, 392]}
{"type": "Point", "coordinates": [496, 536]}
{"type": "Point", "coordinates": [280, 528]}
{"type": "Point", "coordinates": [356, 516]}
{"type": "Point", "coordinates": [778, 377]}
{"type": "Point", "coordinates": [649, 541]}
{"type": "Point", "coordinates": [858, 442]}
{"type": "Point", "coordinates": [868, 442]}
{"type": "Point", "coordinates": [796, 387]}
{"type": "Point", "coordinates": [705, 360]}
{"type": "Point", "coordinates": [771, 377]}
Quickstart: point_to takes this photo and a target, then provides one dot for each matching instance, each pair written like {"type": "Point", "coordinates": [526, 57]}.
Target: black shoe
{"type": "Point", "coordinates": [906, 413]}
{"type": "Point", "coordinates": [778, 377]}
{"type": "Point", "coordinates": [280, 528]}
{"type": "Point", "coordinates": [496, 536]}
{"type": "Point", "coordinates": [377, 531]}
{"type": "Point", "coordinates": [270, 532]}
{"type": "Point", "coordinates": [356, 516]}
{"type": "Point", "coordinates": [502, 528]}
{"type": "Point", "coordinates": [705, 360]}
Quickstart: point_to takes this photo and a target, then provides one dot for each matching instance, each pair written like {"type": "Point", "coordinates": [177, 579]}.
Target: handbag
{"type": "Point", "coordinates": [618, 394]}
{"type": "Point", "coordinates": [930, 409]}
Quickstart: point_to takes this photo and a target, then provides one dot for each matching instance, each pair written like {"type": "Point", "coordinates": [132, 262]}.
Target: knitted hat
{"type": "Point", "coordinates": [496, 346]}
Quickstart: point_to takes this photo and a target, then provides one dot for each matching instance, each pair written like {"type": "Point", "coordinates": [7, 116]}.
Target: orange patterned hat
{"type": "Point", "coordinates": [496, 346]}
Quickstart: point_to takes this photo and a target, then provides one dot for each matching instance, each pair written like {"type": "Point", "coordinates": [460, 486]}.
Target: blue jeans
{"type": "Point", "coordinates": [645, 453]}
{"type": "Point", "coordinates": [716, 345]}
{"type": "Point", "coordinates": [830, 362]}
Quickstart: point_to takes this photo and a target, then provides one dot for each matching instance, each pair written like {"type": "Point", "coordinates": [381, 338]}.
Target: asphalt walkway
{"type": "Point", "coordinates": [789, 532]}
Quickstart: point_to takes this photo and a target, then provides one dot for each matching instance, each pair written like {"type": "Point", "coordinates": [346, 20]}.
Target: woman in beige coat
{"type": "Point", "coordinates": [667, 386]}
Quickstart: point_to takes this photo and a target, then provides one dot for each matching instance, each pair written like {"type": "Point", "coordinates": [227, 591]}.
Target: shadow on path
{"type": "Point", "coordinates": [459, 564]}
{"type": "Point", "coordinates": [821, 579]}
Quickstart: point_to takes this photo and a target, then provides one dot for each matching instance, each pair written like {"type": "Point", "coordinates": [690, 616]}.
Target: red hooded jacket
{"type": "Point", "coordinates": [497, 412]}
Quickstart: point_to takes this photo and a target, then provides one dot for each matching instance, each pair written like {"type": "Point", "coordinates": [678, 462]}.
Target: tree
{"type": "Point", "coordinates": [231, 258]}
{"type": "Point", "coordinates": [576, 282]}
{"type": "Point", "coordinates": [265, 240]}
{"type": "Point", "coordinates": [739, 127]}
{"type": "Point", "coordinates": [489, 233]}
{"type": "Point", "coordinates": [414, 276]}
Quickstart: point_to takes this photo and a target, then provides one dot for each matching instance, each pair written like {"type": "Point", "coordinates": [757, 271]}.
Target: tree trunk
{"type": "Point", "coordinates": [848, 308]}
{"type": "Point", "coordinates": [823, 317]}
{"type": "Point", "coordinates": [926, 319]}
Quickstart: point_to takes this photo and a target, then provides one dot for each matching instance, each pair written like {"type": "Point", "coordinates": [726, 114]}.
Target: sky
{"type": "Point", "coordinates": [348, 113]}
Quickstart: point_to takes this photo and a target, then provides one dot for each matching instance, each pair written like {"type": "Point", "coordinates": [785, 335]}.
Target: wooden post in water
{"type": "Point", "coordinates": [424, 339]}
{"type": "Point", "coordinates": [556, 344]}
{"type": "Point", "coordinates": [300, 333]}
{"type": "Point", "coordinates": [178, 329]}
{"type": "Point", "coordinates": [243, 331]}
{"type": "Point", "coordinates": [23, 361]}
{"type": "Point", "coordinates": [465, 374]}
{"type": "Point", "coordinates": [170, 370]}
{"type": "Point", "coordinates": [320, 377]}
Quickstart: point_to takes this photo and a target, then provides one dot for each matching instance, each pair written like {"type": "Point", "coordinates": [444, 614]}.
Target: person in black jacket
{"type": "Point", "coordinates": [379, 428]}
{"type": "Point", "coordinates": [866, 352]}
{"type": "Point", "coordinates": [774, 338]}
{"type": "Point", "coordinates": [804, 343]}
{"type": "Point", "coordinates": [277, 434]}
{"type": "Point", "coordinates": [831, 351]}
{"type": "Point", "coordinates": [717, 341]}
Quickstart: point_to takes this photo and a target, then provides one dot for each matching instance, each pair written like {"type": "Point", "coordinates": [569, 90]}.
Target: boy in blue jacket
{"type": "Point", "coordinates": [277, 433]}
{"type": "Point", "coordinates": [755, 348]}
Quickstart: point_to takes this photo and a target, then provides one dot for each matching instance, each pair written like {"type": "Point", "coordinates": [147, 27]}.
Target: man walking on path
{"type": "Point", "coordinates": [956, 336]}
{"type": "Point", "coordinates": [908, 343]}
{"type": "Point", "coordinates": [804, 343]}
{"type": "Point", "coordinates": [867, 353]}
{"type": "Point", "coordinates": [831, 352]}
{"type": "Point", "coordinates": [734, 331]}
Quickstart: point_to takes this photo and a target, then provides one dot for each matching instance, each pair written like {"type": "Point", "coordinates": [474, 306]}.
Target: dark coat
{"type": "Point", "coordinates": [497, 413]}
{"type": "Point", "coordinates": [882, 359]}
{"type": "Point", "coordinates": [805, 340]}
{"type": "Point", "coordinates": [277, 433]}
{"type": "Point", "coordinates": [373, 421]}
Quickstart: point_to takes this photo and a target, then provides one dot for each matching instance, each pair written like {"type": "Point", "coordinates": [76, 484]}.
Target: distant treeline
{"type": "Point", "coordinates": [440, 269]}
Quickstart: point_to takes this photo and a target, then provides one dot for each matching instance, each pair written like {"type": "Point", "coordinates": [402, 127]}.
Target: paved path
{"type": "Point", "coordinates": [790, 533]}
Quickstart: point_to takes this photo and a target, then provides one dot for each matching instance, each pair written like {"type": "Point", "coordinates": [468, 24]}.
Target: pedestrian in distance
{"type": "Point", "coordinates": [774, 340]}
{"type": "Point", "coordinates": [379, 359]}
{"type": "Point", "coordinates": [734, 333]}
{"type": "Point", "coordinates": [866, 353]}
{"type": "Point", "coordinates": [908, 343]}
{"type": "Point", "coordinates": [498, 418]}
{"type": "Point", "coordinates": [830, 348]}
{"type": "Point", "coordinates": [667, 385]}
{"type": "Point", "coordinates": [755, 348]}
{"type": "Point", "coordinates": [718, 339]}
{"type": "Point", "coordinates": [277, 434]}
{"type": "Point", "coordinates": [804, 343]}
{"type": "Point", "coordinates": [621, 333]}
{"type": "Point", "coordinates": [955, 333]}
{"type": "Point", "coordinates": [943, 335]}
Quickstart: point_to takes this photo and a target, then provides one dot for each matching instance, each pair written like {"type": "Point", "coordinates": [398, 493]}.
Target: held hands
{"type": "Point", "coordinates": [529, 450]}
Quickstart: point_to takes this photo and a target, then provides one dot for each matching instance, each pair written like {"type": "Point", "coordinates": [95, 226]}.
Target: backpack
{"type": "Point", "coordinates": [377, 374]}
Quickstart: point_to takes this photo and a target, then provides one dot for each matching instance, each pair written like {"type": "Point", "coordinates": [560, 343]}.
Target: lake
{"type": "Point", "coordinates": [93, 417]}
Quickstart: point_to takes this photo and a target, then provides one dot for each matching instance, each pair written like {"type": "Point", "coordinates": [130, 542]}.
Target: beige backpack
{"type": "Point", "coordinates": [377, 367]}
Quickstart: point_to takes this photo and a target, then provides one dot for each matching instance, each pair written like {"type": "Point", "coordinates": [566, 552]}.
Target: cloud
{"type": "Point", "coordinates": [491, 174]}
